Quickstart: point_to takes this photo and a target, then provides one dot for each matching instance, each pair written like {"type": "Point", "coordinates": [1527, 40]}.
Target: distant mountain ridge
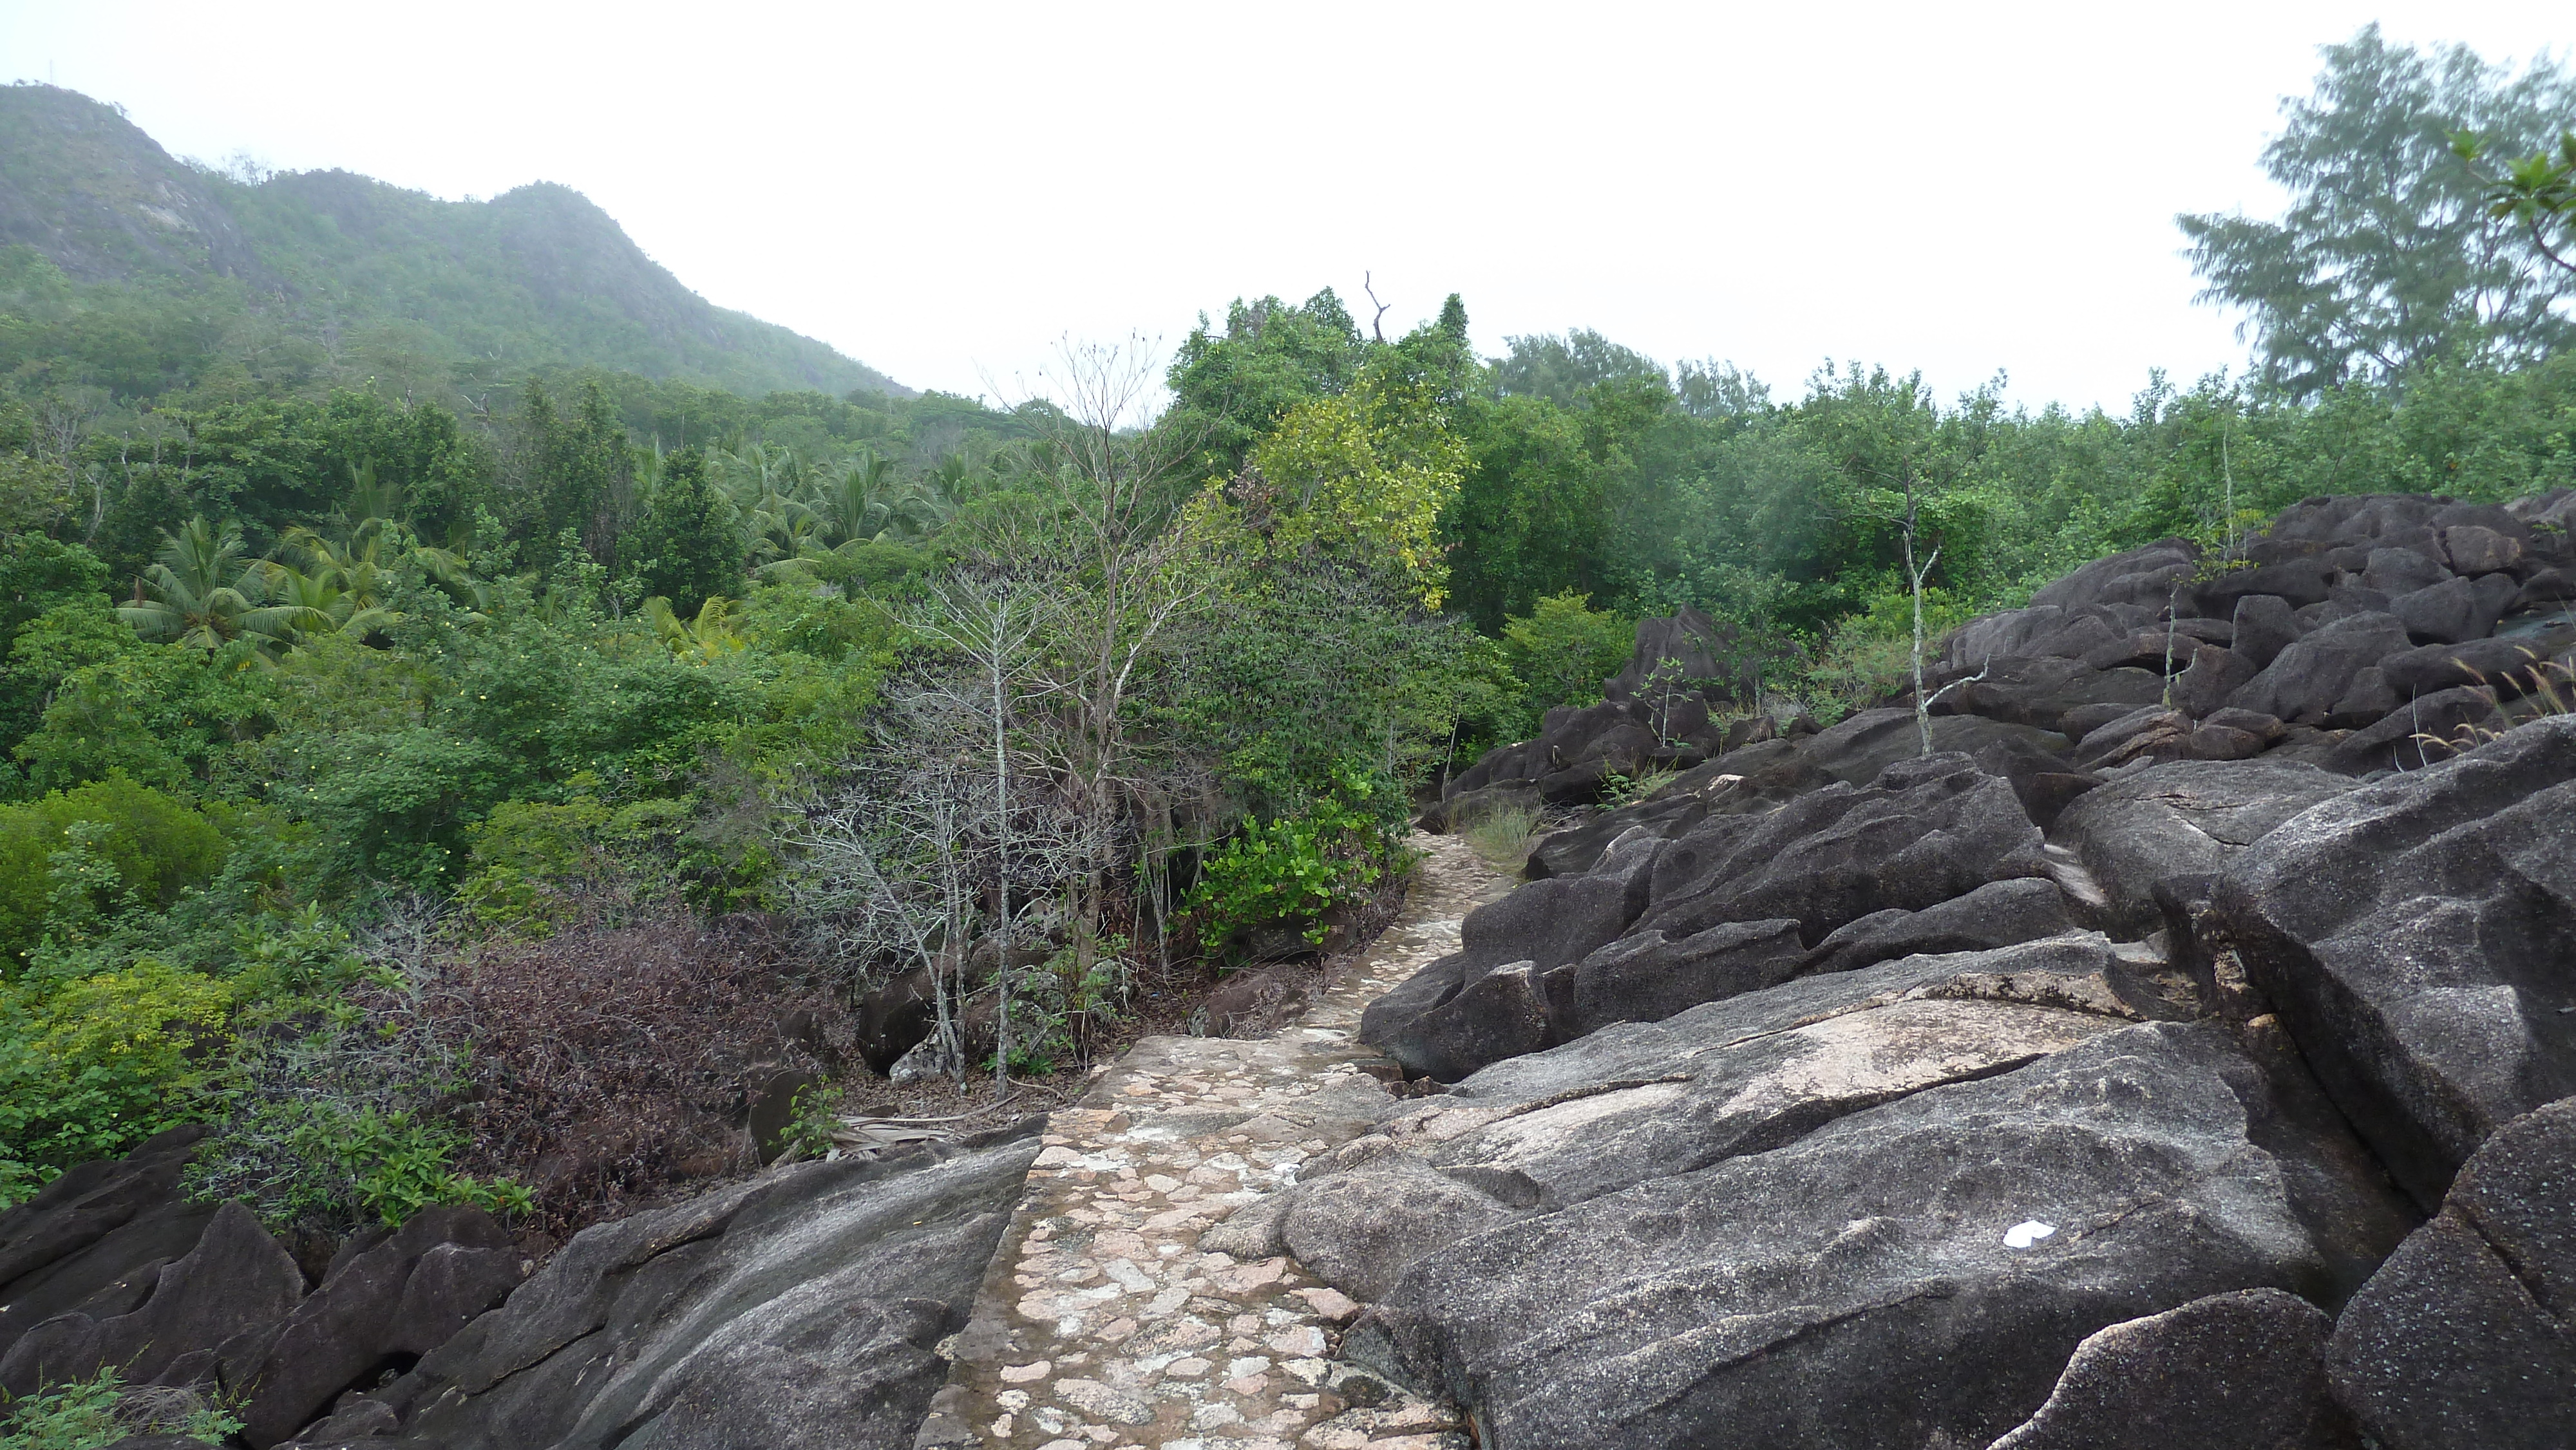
{"type": "Point", "coordinates": [538, 277]}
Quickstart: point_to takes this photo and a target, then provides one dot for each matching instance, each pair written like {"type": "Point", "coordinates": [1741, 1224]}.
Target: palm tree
{"type": "Point", "coordinates": [200, 594]}
{"type": "Point", "coordinates": [710, 636]}
{"type": "Point", "coordinates": [858, 501]}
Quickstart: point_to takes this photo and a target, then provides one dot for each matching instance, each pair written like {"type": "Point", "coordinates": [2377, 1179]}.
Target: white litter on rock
{"type": "Point", "coordinates": [2027, 1232]}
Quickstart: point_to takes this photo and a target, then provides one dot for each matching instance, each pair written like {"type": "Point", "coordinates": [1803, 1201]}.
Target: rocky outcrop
{"type": "Point", "coordinates": [1730, 906]}
{"type": "Point", "coordinates": [391, 1296]}
{"type": "Point", "coordinates": [233, 1281]}
{"type": "Point", "coordinates": [95, 1239]}
{"type": "Point", "coordinates": [2415, 937]}
{"type": "Point", "coordinates": [1854, 1132]}
{"type": "Point", "coordinates": [802, 1308]}
{"type": "Point", "coordinates": [2182, 819]}
{"type": "Point", "coordinates": [115, 1268]}
{"type": "Point", "coordinates": [798, 1308]}
{"type": "Point", "coordinates": [1914, 1269]}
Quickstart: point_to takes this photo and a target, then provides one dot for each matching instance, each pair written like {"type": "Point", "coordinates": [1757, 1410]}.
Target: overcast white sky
{"type": "Point", "coordinates": [943, 190]}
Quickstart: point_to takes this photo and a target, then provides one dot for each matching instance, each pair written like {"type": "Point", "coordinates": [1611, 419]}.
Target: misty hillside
{"type": "Point", "coordinates": [127, 269]}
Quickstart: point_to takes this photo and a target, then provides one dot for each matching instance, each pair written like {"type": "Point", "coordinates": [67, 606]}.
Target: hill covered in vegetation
{"type": "Point", "coordinates": [124, 269]}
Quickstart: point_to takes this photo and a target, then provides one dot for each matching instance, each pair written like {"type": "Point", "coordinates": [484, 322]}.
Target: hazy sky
{"type": "Point", "coordinates": [944, 190]}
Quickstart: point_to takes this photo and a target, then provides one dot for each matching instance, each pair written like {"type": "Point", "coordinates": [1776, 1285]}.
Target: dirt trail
{"type": "Point", "coordinates": [1102, 1324]}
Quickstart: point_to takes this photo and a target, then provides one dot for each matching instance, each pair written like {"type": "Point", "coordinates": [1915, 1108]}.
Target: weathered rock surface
{"type": "Point", "coordinates": [2467, 1335]}
{"type": "Point", "coordinates": [390, 1297]}
{"type": "Point", "coordinates": [2185, 818]}
{"type": "Point", "coordinates": [2237, 1371]}
{"type": "Point", "coordinates": [2418, 938]}
{"type": "Point", "coordinates": [1928, 830]}
{"type": "Point", "coordinates": [234, 1280]}
{"type": "Point", "coordinates": [1997, 914]}
{"type": "Point", "coordinates": [1729, 906]}
{"type": "Point", "coordinates": [1881, 1280]}
{"type": "Point", "coordinates": [1646, 978]}
{"type": "Point", "coordinates": [797, 1309]}
{"type": "Point", "coordinates": [1634, 1220]}
{"type": "Point", "coordinates": [94, 1240]}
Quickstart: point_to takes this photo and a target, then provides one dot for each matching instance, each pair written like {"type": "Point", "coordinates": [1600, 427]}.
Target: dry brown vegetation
{"type": "Point", "coordinates": [610, 1066]}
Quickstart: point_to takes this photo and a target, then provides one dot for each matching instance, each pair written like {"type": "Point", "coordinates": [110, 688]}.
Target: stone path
{"type": "Point", "coordinates": [1103, 1324]}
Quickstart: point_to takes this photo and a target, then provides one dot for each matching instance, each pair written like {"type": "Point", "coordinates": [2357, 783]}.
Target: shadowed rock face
{"type": "Point", "coordinates": [800, 1309]}
{"type": "Point", "coordinates": [2250, 1365]}
{"type": "Point", "coordinates": [2418, 937]}
{"type": "Point", "coordinates": [2467, 1335]}
{"type": "Point", "coordinates": [234, 1280]}
{"type": "Point", "coordinates": [94, 1238]}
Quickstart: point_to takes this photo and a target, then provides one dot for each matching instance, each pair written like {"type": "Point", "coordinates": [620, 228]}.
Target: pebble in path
{"type": "Point", "coordinates": [1102, 1324]}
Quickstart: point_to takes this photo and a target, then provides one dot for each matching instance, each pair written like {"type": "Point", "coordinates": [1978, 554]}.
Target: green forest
{"type": "Point", "coordinates": [358, 708]}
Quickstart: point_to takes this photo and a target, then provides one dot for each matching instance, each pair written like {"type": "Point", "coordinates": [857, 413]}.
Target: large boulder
{"type": "Point", "coordinates": [2145, 575]}
{"type": "Point", "coordinates": [2456, 609]}
{"type": "Point", "coordinates": [2039, 692]}
{"type": "Point", "coordinates": [2504, 662]}
{"type": "Point", "coordinates": [1644, 977]}
{"type": "Point", "coordinates": [1563, 918]}
{"type": "Point", "coordinates": [2467, 1335]}
{"type": "Point", "coordinates": [1997, 914]}
{"type": "Point", "coordinates": [1675, 657]}
{"type": "Point", "coordinates": [1857, 749]}
{"type": "Point", "coordinates": [800, 1308]}
{"type": "Point", "coordinates": [2429, 728]}
{"type": "Point", "coordinates": [1633, 1102]}
{"type": "Point", "coordinates": [1910, 1273]}
{"type": "Point", "coordinates": [2417, 936]}
{"type": "Point", "coordinates": [2185, 818]}
{"type": "Point", "coordinates": [2310, 675]}
{"type": "Point", "coordinates": [2237, 1371]}
{"type": "Point", "coordinates": [1447, 1019]}
{"type": "Point", "coordinates": [1927, 830]}
{"type": "Point", "coordinates": [2265, 626]}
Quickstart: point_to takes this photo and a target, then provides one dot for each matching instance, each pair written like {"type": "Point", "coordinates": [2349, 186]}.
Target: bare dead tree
{"type": "Point", "coordinates": [1377, 324]}
{"type": "Point", "coordinates": [991, 623]}
{"type": "Point", "coordinates": [1117, 578]}
{"type": "Point", "coordinates": [1909, 523]}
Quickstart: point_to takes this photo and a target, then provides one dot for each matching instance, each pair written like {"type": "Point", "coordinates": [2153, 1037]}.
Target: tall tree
{"type": "Point", "coordinates": [1564, 369]}
{"type": "Point", "coordinates": [2390, 255]}
{"type": "Point", "coordinates": [1229, 386]}
{"type": "Point", "coordinates": [688, 545]}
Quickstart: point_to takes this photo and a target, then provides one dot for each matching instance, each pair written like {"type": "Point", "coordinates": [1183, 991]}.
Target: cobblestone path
{"type": "Point", "coordinates": [1103, 1324]}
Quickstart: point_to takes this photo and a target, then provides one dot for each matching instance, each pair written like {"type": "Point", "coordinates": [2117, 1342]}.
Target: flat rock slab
{"type": "Point", "coordinates": [1105, 1321]}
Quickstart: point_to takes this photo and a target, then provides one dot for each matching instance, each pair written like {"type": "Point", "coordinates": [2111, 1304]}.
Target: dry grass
{"type": "Point", "coordinates": [1503, 837]}
{"type": "Point", "coordinates": [2544, 687]}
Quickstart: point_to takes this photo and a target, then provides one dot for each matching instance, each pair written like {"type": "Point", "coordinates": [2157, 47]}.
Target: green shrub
{"type": "Point", "coordinates": [1871, 655]}
{"type": "Point", "coordinates": [154, 845]}
{"type": "Point", "coordinates": [95, 1413]}
{"type": "Point", "coordinates": [1563, 651]}
{"type": "Point", "coordinates": [1297, 868]}
{"type": "Point", "coordinates": [343, 1120]}
{"type": "Point", "coordinates": [91, 1066]}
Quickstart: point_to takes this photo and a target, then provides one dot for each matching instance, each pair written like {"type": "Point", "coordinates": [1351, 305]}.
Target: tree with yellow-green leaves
{"type": "Point", "coordinates": [1364, 475]}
